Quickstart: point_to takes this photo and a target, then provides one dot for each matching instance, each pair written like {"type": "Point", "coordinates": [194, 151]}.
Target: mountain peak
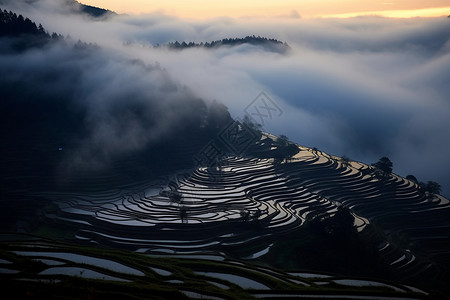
{"type": "Point", "coordinates": [92, 11]}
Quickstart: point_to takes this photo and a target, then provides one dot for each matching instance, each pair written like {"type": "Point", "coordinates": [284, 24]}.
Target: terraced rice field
{"type": "Point", "coordinates": [36, 267]}
{"type": "Point", "coordinates": [246, 200]}
{"type": "Point", "coordinates": [235, 213]}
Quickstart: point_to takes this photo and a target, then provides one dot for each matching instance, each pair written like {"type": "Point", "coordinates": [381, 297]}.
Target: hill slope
{"type": "Point", "coordinates": [246, 207]}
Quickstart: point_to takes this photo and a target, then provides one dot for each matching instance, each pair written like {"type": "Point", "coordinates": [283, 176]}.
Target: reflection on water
{"type": "Point", "coordinates": [243, 282]}
{"type": "Point", "coordinates": [353, 282]}
{"type": "Point", "coordinates": [83, 259]}
{"type": "Point", "coordinates": [161, 271]}
{"type": "Point", "coordinates": [81, 272]}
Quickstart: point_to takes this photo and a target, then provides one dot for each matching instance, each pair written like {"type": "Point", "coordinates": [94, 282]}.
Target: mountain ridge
{"type": "Point", "coordinates": [269, 44]}
{"type": "Point", "coordinates": [73, 6]}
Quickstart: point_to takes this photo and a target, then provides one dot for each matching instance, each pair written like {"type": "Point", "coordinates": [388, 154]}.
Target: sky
{"type": "Point", "coordinates": [364, 87]}
{"type": "Point", "coordinates": [201, 9]}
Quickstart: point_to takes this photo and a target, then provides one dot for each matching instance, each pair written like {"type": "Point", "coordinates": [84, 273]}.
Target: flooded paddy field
{"type": "Point", "coordinates": [249, 212]}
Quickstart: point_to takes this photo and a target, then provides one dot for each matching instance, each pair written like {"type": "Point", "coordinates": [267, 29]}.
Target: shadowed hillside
{"type": "Point", "coordinates": [310, 212]}
{"type": "Point", "coordinates": [89, 10]}
{"type": "Point", "coordinates": [54, 131]}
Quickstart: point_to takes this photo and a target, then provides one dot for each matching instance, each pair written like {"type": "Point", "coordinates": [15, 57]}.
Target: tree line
{"type": "Point", "coordinates": [383, 169]}
{"type": "Point", "coordinates": [274, 44]}
{"type": "Point", "coordinates": [23, 32]}
{"type": "Point", "coordinates": [14, 25]}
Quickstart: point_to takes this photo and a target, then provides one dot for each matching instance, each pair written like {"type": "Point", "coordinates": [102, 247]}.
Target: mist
{"type": "Point", "coordinates": [91, 102]}
{"type": "Point", "coordinates": [363, 87]}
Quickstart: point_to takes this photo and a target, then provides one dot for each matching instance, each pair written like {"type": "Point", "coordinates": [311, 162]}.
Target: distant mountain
{"type": "Point", "coordinates": [92, 11]}
{"type": "Point", "coordinates": [272, 45]}
{"type": "Point", "coordinates": [73, 6]}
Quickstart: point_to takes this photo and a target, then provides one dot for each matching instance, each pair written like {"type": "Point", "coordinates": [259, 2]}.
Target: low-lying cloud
{"type": "Point", "coordinates": [115, 105]}
{"type": "Point", "coordinates": [363, 87]}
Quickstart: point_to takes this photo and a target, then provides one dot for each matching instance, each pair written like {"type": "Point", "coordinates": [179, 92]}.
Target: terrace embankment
{"type": "Point", "coordinates": [244, 205]}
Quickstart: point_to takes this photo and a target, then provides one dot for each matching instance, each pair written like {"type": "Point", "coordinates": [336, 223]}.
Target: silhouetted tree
{"type": "Point", "coordinates": [434, 187]}
{"type": "Point", "coordinates": [245, 215]}
{"type": "Point", "coordinates": [183, 214]}
{"type": "Point", "coordinates": [268, 44]}
{"type": "Point", "coordinates": [218, 116]}
{"type": "Point", "coordinates": [412, 178]}
{"type": "Point", "coordinates": [285, 149]}
{"type": "Point", "coordinates": [431, 187]}
{"type": "Point", "coordinates": [56, 36]}
{"type": "Point", "coordinates": [383, 168]}
{"type": "Point", "coordinates": [247, 121]}
{"type": "Point", "coordinates": [175, 196]}
{"type": "Point", "coordinates": [345, 161]}
{"type": "Point", "coordinates": [340, 225]}
{"type": "Point", "coordinates": [23, 32]}
{"type": "Point", "coordinates": [384, 164]}
{"type": "Point", "coordinates": [291, 150]}
{"type": "Point", "coordinates": [12, 24]}
{"type": "Point", "coordinates": [282, 141]}
{"type": "Point", "coordinates": [41, 29]}
{"type": "Point", "coordinates": [256, 215]}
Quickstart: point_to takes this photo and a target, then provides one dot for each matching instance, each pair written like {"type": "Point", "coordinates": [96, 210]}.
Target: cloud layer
{"type": "Point", "coordinates": [363, 87]}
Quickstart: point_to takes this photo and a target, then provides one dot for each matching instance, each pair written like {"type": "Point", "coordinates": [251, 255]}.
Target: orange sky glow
{"type": "Point", "coordinates": [203, 9]}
